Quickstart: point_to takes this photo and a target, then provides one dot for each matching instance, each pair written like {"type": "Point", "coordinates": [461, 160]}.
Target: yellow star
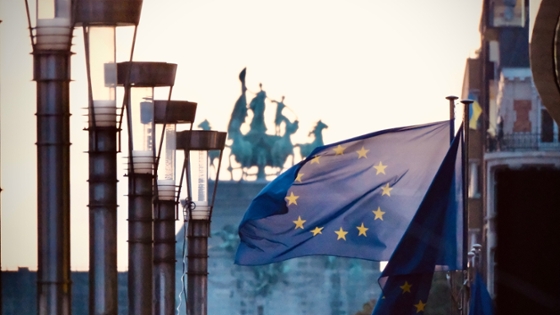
{"type": "Point", "coordinates": [292, 198]}
{"type": "Point", "coordinates": [315, 159]}
{"type": "Point", "coordinates": [362, 153]}
{"type": "Point", "coordinates": [341, 234]}
{"type": "Point", "coordinates": [378, 214]}
{"type": "Point", "coordinates": [380, 168]}
{"type": "Point", "coordinates": [420, 306]}
{"type": "Point", "coordinates": [299, 176]}
{"type": "Point", "coordinates": [362, 230]}
{"type": "Point", "coordinates": [339, 150]}
{"type": "Point", "coordinates": [299, 223]}
{"type": "Point", "coordinates": [316, 231]}
{"type": "Point", "coordinates": [386, 190]}
{"type": "Point", "coordinates": [406, 287]}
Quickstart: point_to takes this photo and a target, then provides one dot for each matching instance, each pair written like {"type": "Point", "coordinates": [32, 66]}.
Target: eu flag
{"type": "Point", "coordinates": [432, 241]}
{"type": "Point", "coordinates": [481, 302]}
{"type": "Point", "coordinates": [353, 198]}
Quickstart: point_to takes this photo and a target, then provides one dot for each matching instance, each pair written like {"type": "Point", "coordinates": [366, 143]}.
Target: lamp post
{"type": "Point", "coordinates": [51, 38]}
{"type": "Point", "coordinates": [99, 20]}
{"type": "Point", "coordinates": [139, 80]}
{"type": "Point", "coordinates": [167, 114]}
{"type": "Point", "coordinates": [197, 144]}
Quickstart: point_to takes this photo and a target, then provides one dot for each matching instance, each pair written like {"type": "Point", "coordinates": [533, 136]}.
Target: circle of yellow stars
{"type": "Point", "coordinates": [380, 169]}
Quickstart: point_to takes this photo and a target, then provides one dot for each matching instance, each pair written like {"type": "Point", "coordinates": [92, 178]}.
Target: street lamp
{"type": "Point", "coordinates": [166, 115]}
{"type": "Point", "coordinates": [140, 79]}
{"type": "Point", "coordinates": [197, 144]}
{"type": "Point", "coordinates": [51, 38]}
{"type": "Point", "coordinates": [99, 20]}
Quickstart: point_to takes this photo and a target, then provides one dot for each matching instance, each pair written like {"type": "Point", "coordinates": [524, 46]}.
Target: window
{"type": "Point", "coordinates": [474, 191]}
{"type": "Point", "coordinates": [547, 127]}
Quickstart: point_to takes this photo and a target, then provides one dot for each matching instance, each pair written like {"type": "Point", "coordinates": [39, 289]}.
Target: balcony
{"type": "Point", "coordinates": [523, 142]}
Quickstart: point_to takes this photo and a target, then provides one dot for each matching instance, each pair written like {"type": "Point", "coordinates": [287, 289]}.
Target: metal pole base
{"type": "Point", "coordinates": [197, 271]}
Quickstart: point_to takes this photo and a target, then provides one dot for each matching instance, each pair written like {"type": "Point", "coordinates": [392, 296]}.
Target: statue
{"type": "Point", "coordinates": [306, 148]}
{"type": "Point", "coordinates": [279, 118]}
{"type": "Point", "coordinates": [205, 125]}
{"type": "Point", "coordinates": [213, 155]}
{"type": "Point", "coordinates": [283, 147]}
{"type": "Point", "coordinates": [258, 106]}
{"type": "Point", "coordinates": [240, 108]}
{"type": "Point", "coordinates": [256, 147]}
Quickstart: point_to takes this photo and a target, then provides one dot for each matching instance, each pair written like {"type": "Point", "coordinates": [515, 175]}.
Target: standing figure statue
{"type": "Point", "coordinates": [257, 136]}
{"type": "Point", "coordinates": [279, 118]}
{"type": "Point", "coordinates": [258, 106]}
{"type": "Point", "coordinates": [241, 148]}
{"type": "Point", "coordinates": [240, 108]}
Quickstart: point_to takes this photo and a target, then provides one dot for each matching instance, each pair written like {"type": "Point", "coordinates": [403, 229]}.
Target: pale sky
{"type": "Point", "coordinates": [357, 65]}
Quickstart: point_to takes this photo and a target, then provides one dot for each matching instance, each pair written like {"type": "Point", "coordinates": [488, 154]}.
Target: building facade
{"type": "Point", "coordinates": [514, 166]}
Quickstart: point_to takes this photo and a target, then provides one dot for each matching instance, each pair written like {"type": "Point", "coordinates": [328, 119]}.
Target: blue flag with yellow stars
{"type": "Point", "coordinates": [481, 302]}
{"type": "Point", "coordinates": [432, 241]}
{"type": "Point", "coordinates": [353, 198]}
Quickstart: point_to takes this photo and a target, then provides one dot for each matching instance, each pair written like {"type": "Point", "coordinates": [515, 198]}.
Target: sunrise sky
{"type": "Point", "coordinates": [357, 65]}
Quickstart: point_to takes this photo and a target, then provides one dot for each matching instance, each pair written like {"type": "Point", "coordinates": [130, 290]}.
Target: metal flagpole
{"type": "Point", "coordinates": [466, 106]}
{"type": "Point", "coordinates": [453, 277]}
{"type": "Point", "coordinates": [451, 99]}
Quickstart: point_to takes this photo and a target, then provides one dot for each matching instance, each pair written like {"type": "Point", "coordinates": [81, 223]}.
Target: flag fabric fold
{"type": "Point", "coordinates": [432, 241]}
{"type": "Point", "coordinates": [480, 302]}
{"type": "Point", "coordinates": [353, 198]}
{"type": "Point", "coordinates": [475, 110]}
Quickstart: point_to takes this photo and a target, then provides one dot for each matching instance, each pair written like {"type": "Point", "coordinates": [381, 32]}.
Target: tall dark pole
{"type": "Point", "coordinates": [99, 30]}
{"type": "Point", "coordinates": [52, 73]}
{"type": "Point", "coordinates": [197, 288]}
{"type": "Point", "coordinates": [466, 108]}
{"type": "Point", "coordinates": [140, 229]}
{"type": "Point", "coordinates": [167, 114]}
{"type": "Point", "coordinates": [103, 286]}
{"type": "Point", "coordinates": [164, 257]}
{"type": "Point", "coordinates": [102, 132]}
{"type": "Point", "coordinates": [140, 244]}
{"type": "Point", "coordinates": [51, 40]}
{"type": "Point", "coordinates": [451, 100]}
{"type": "Point", "coordinates": [200, 207]}
{"type": "Point", "coordinates": [141, 77]}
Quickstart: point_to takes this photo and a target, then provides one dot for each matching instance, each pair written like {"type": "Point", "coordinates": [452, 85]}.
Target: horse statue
{"type": "Point", "coordinates": [257, 148]}
{"type": "Point", "coordinates": [254, 148]}
{"type": "Point", "coordinates": [283, 147]}
{"type": "Point", "coordinates": [241, 152]}
{"type": "Point", "coordinates": [305, 149]}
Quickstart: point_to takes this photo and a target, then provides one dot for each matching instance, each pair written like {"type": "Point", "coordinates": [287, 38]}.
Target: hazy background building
{"type": "Point", "coordinates": [514, 164]}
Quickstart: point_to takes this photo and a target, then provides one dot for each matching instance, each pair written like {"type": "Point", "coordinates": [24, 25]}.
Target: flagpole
{"type": "Point", "coordinates": [451, 99]}
{"type": "Point", "coordinates": [466, 106]}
